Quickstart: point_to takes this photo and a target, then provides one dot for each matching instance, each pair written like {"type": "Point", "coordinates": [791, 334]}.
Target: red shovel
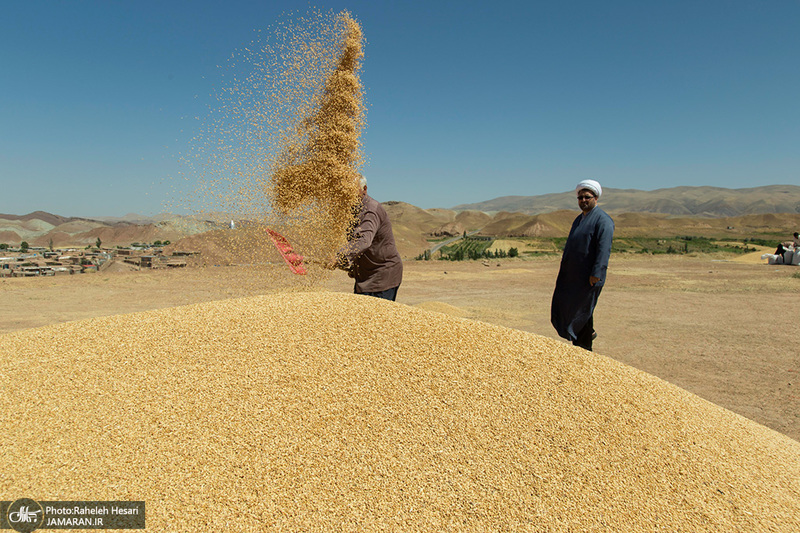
{"type": "Point", "coordinates": [295, 261]}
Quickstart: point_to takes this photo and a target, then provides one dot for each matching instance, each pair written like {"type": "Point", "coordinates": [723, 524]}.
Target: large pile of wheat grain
{"type": "Point", "coordinates": [317, 411]}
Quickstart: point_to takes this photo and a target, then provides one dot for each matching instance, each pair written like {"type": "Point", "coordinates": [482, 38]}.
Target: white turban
{"type": "Point", "coordinates": [591, 185]}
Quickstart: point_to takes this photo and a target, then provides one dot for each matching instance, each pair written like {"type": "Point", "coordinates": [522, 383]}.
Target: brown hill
{"type": "Point", "coordinates": [451, 229]}
{"type": "Point", "coordinates": [116, 235]}
{"type": "Point", "coordinates": [214, 247]}
{"type": "Point", "coordinates": [413, 226]}
{"type": "Point", "coordinates": [636, 213]}
{"type": "Point", "coordinates": [747, 226]}
{"type": "Point", "coordinates": [473, 220]}
{"type": "Point", "coordinates": [447, 215]}
{"type": "Point", "coordinates": [10, 237]}
{"type": "Point", "coordinates": [414, 223]}
{"type": "Point", "coordinates": [520, 225]}
{"type": "Point", "coordinates": [426, 220]}
{"type": "Point", "coordinates": [53, 220]}
{"type": "Point", "coordinates": [678, 201]}
{"type": "Point", "coordinates": [43, 229]}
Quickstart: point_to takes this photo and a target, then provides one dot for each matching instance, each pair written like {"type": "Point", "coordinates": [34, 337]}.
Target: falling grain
{"type": "Point", "coordinates": [281, 148]}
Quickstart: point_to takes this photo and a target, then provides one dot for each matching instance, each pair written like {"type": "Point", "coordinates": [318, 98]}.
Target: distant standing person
{"type": "Point", "coordinates": [371, 256]}
{"type": "Point", "coordinates": [583, 268]}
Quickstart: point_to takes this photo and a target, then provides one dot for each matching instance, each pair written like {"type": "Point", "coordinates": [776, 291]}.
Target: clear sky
{"type": "Point", "coordinates": [468, 100]}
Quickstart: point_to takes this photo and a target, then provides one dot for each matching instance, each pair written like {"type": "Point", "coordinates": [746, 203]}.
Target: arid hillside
{"type": "Point", "coordinates": [45, 230]}
{"type": "Point", "coordinates": [681, 201]}
{"type": "Point", "coordinates": [413, 227]}
{"type": "Point", "coordinates": [636, 214]}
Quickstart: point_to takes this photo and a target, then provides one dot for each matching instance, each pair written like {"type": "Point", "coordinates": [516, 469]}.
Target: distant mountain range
{"type": "Point", "coordinates": [676, 201]}
{"type": "Point", "coordinates": [710, 211]}
{"type": "Point", "coordinates": [44, 229]}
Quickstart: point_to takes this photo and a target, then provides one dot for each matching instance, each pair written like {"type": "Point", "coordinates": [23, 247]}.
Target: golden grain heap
{"type": "Point", "coordinates": [318, 411]}
{"type": "Point", "coordinates": [281, 147]}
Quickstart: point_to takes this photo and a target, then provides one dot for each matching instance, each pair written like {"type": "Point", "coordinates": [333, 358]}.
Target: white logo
{"type": "Point", "coordinates": [23, 515]}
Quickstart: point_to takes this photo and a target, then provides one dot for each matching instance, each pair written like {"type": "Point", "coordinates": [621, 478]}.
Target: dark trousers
{"type": "Point", "coordinates": [388, 294]}
{"type": "Point", "coordinates": [585, 335]}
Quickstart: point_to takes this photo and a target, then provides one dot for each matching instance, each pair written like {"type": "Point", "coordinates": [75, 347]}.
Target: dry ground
{"type": "Point", "coordinates": [725, 330]}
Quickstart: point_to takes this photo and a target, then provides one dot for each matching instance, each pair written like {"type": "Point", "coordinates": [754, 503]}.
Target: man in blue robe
{"type": "Point", "coordinates": [583, 268]}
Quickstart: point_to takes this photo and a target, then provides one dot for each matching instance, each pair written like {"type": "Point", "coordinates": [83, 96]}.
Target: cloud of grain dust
{"type": "Point", "coordinates": [281, 146]}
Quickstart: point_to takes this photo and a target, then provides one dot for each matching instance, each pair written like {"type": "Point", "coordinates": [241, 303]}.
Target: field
{"type": "Point", "coordinates": [677, 245]}
{"type": "Point", "coordinates": [720, 326]}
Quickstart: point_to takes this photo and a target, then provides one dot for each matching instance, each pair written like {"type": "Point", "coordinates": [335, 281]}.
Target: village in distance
{"type": "Point", "coordinates": [679, 220]}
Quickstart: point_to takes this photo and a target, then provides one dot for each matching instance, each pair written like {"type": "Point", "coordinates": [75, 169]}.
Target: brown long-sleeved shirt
{"type": "Point", "coordinates": [371, 254]}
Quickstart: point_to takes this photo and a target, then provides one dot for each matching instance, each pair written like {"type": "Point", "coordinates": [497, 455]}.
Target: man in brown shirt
{"type": "Point", "coordinates": [371, 256]}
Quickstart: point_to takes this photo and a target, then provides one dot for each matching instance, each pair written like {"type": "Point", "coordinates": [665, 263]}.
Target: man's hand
{"type": "Point", "coordinates": [593, 280]}
{"type": "Point", "coordinates": [337, 261]}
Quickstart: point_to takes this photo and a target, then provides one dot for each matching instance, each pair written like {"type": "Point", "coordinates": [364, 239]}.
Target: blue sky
{"type": "Point", "coordinates": [468, 100]}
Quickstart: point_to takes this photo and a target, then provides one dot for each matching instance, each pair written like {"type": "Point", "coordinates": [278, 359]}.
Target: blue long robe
{"type": "Point", "coordinates": [586, 254]}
